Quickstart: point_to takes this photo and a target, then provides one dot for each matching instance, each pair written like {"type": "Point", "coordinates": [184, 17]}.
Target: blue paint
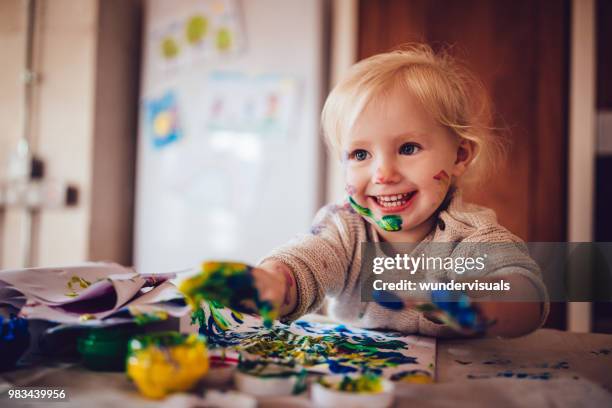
{"type": "Point", "coordinates": [337, 368]}
{"type": "Point", "coordinates": [387, 299]}
{"type": "Point", "coordinates": [14, 340]}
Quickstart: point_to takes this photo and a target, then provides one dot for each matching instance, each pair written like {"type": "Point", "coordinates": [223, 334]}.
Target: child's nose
{"type": "Point", "coordinates": [386, 173]}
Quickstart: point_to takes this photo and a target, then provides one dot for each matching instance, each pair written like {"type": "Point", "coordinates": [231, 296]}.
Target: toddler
{"type": "Point", "coordinates": [410, 127]}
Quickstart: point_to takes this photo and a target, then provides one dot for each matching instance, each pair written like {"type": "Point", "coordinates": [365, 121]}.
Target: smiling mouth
{"type": "Point", "coordinates": [394, 202]}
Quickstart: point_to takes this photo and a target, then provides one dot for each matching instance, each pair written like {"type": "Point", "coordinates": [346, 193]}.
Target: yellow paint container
{"type": "Point", "coordinates": [166, 362]}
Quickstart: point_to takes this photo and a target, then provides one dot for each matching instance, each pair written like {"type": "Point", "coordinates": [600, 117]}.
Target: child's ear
{"type": "Point", "coordinates": [465, 154]}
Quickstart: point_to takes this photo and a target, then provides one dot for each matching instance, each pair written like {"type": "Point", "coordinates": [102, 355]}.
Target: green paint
{"type": "Point", "coordinates": [387, 222]}
{"type": "Point", "coordinates": [196, 29]}
{"type": "Point", "coordinates": [226, 284]}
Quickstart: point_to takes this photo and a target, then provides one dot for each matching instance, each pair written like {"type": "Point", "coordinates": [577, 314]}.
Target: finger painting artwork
{"type": "Point", "coordinates": [320, 348]}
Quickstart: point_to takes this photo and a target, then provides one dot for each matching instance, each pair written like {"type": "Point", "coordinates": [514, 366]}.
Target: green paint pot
{"type": "Point", "coordinates": [105, 349]}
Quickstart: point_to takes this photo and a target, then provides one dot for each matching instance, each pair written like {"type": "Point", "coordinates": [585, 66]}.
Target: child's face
{"type": "Point", "coordinates": [398, 165]}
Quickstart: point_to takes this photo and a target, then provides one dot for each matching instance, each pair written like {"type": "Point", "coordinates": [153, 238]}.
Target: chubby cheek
{"type": "Point", "coordinates": [355, 184]}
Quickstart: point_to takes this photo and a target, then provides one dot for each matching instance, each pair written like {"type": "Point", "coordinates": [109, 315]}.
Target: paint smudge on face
{"type": "Point", "coordinates": [442, 176]}
{"type": "Point", "coordinates": [444, 180]}
{"type": "Point", "coordinates": [350, 189]}
{"type": "Point", "coordinates": [229, 284]}
{"type": "Point", "coordinates": [387, 222]}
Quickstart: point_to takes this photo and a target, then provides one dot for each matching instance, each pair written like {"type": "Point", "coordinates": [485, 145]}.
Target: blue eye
{"type": "Point", "coordinates": [409, 149]}
{"type": "Point", "coordinates": [359, 155]}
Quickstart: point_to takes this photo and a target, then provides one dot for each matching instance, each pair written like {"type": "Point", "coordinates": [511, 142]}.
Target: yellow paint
{"type": "Point", "coordinates": [159, 371]}
{"type": "Point", "coordinates": [417, 379]}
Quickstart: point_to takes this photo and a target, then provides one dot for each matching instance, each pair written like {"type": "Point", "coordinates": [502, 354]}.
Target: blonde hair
{"type": "Point", "coordinates": [447, 90]}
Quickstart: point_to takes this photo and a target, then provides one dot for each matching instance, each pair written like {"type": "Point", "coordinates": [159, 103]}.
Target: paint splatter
{"type": "Point", "coordinates": [387, 222]}
{"type": "Point", "coordinates": [455, 310]}
{"type": "Point", "coordinates": [463, 362]}
{"type": "Point", "coordinates": [367, 382]}
{"type": "Point", "coordinates": [387, 299]}
{"type": "Point", "coordinates": [228, 284]}
{"type": "Point", "coordinates": [413, 377]}
{"type": "Point", "coordinates": [602, 352]}
{"type": "Point", "coordinates": [512, 374]}
{"type": "Point", "coordinates": [497, 361]}
{"type": "Point", "coordinates": [76, 282]}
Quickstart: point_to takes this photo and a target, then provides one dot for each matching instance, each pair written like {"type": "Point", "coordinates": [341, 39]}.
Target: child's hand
{"type": "Point", "coordinates": [275, 283]}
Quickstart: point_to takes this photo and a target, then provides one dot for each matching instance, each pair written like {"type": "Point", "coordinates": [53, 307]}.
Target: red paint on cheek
{"type": "Point", "coordinates": [441, 176]}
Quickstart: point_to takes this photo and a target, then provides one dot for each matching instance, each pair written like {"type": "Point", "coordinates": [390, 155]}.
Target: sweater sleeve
{"type": "Point", "coordinates": [320, 261]}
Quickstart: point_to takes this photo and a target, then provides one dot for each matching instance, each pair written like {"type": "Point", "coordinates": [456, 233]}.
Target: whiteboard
{"type": "Point", "coordinates": [203, 194]}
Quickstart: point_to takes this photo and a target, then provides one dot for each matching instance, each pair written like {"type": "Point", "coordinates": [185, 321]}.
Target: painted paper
{"type": "Point", "coordinates": [321, 348]}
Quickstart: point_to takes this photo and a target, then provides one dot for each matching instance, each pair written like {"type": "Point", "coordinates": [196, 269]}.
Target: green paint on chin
{"type": "Point", "coordinates": [387, 222]}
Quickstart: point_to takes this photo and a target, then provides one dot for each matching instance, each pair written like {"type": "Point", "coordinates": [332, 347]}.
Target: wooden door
{"type": "Point", "coordinates": [520, 50]}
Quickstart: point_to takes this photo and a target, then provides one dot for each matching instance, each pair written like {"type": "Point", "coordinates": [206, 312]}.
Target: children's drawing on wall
{"type": "Point", "coordinates": [213, 28]}
{"type": "Point", "coordinates": [261, 105]}
{"type": "Point", "coordinates": [162, 120]}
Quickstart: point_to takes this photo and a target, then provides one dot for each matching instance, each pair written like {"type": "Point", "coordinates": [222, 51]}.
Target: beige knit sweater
{"type": "Point", "coordinates": [326, 264]}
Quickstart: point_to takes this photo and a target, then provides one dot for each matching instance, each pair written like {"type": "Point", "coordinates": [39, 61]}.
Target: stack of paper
{"type": "Point", "coordinates": [86, 292]}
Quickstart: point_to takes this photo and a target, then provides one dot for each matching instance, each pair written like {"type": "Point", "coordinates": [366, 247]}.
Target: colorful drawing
{"type": "Point", "coordinates": [320, 348]}
{"type": "Point", "coordinates": [229, 284]}
{"type": "Point", "coordinates": [163, 120]}
{"type": "Point", "coordinates": [387, 222]}
{"type": "Point", "coordinates": [213, 28]}
{"type": "Point", "coordinates": [262, 105]}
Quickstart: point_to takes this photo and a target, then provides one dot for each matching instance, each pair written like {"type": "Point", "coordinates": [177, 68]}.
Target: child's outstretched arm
{"type": "Point", "coordinates": [275, 282]}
